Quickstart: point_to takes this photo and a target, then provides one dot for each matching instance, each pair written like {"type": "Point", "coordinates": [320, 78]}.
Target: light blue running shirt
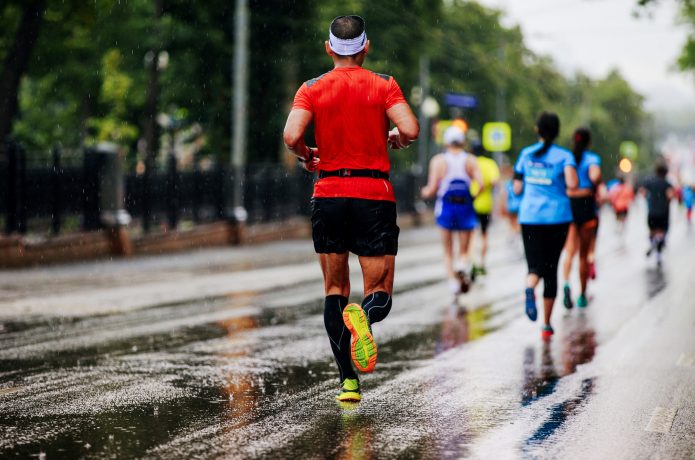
{"type": "Point", "coordinates": [545, 198]}
{"type": "Point", "coordinates": [588, 158]}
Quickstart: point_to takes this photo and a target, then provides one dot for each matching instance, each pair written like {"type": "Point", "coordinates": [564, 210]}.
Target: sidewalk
{"type": "Point", "coordinates": [108, 286]}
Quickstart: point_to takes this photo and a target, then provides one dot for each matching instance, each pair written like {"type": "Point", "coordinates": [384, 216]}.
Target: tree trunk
{"type": "Point", "coordinates": [16, 65]}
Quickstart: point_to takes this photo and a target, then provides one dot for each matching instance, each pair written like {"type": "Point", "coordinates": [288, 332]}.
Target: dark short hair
{"type": "Point", "coordinates": [661, 168]}
{"type": "Point", "coordinates": [347, 27]}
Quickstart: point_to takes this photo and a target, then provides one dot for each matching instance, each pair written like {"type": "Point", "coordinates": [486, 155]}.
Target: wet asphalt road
{"type": "Point", "coordinates": [222, 353]}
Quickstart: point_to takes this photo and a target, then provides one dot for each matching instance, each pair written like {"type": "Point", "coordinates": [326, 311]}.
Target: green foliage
{"type": "Point", "coordinates": [88, 81]}
{"type": "Point", "coordinates": [686, 60]}
{"type": "Point", "coordinates": [471, 52]}
{"type": "Point", "coordinates": [115, 91]}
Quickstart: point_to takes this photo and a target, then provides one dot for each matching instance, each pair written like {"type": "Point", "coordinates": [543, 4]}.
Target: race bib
{"type": "Point", "coordinates": [539, 173]}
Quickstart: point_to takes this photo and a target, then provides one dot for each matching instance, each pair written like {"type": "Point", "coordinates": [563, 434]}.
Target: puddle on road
{"type": "Point", "coordinates": [462, 325]}
{"type": "Point", "coordinates": [242, 397]}
{"type": "Point", "coordinates": [129, 429]}
{"type": "Point", "coordinates": [359, 434]}
{"type": "Point", "coordinates": [575, 346]}
{"type": "Point", "coordinates": [559, 414]}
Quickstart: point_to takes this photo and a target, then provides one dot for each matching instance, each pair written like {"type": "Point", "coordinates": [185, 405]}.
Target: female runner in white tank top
{"type": "Point", "coordinates": [450, 177]}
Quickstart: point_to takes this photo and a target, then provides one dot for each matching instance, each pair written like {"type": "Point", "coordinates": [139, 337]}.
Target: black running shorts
{"type": "Point", "coordinates": [363, 227]}
{"type": "Point", "coordinates": [583, 210]}
{"type": "Point", "coordinates": [658, 222]}
{"type": "Point", "coordinates": [484, 220]}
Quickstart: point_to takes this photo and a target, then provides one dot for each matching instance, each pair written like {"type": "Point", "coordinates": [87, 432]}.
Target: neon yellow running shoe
{"type": "Point", "coordinates": [349, 391]}
{"type": "Point", "coordinates": [363, 349]}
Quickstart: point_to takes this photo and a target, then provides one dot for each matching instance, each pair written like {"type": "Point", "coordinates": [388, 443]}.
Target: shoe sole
{"type": "Point", "coordinates": [546, 336]}
{"type": "Point", "coordinates": [350, 396]}
{"type": "Point", "coordinates": [532, 313]}
{"type": "Point", "coordinates": [363, 348]}
{"type": "Point", "coordinates": [531, 309]}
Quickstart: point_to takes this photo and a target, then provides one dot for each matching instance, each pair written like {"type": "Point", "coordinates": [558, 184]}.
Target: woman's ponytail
{"type": "Point", "coordinates": [581, 141]}
{"type": "Point", "coordinates": [548, 126]}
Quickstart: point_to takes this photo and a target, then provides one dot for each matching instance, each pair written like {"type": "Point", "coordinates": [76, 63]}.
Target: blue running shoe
{"type": "Point", "coordinates": [582, 301]}
{"type": "Point", "coordinates": [531, 310]}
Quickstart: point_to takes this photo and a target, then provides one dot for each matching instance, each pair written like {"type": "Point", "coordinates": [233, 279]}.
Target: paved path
{"type": "Point", "coordinates": [222, 353]}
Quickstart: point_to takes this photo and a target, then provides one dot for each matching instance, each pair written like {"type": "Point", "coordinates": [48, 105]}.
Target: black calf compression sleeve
{"type": "Point", "coordinates": [338, 334]}
{"type": "Point", "coordinates": [377, 306]}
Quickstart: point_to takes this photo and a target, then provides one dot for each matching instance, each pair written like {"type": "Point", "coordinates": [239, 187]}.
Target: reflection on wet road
{"type": "Point", "coordinates": [249, 374]}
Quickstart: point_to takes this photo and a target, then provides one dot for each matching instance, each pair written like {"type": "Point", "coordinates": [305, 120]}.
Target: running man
{"type": "Point", "coordinates": [450, 176]}
{"type": "Point", "coordinates": [353, 205]}
{"type": "Point", "coordinates": [483, 202]}
{"type": "Point", "coordinates": [621, 196]}
{"type": "Point", "coordinates": [659, 193]}
{"type": "Point", "coordinates": [583, 229]}
{"type": "Point", "coordinates": [544, 173]}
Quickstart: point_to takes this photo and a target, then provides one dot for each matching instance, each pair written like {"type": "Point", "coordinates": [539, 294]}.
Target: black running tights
{"type": "Point", "coordinates": [376, 306]}
{"type": "Point", "coordinates": [543, 245]}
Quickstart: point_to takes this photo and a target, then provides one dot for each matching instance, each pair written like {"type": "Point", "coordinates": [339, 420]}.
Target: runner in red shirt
{"type": "Point", "coordinates": [353, 206]}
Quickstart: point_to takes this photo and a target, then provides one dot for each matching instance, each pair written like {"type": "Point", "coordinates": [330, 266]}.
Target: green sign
{"type": "Point", "coordinates": [497, 136]}
{"type": "Point", "coordinates": [629, 150]}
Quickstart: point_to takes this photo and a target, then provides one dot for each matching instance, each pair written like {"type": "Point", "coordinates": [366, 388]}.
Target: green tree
{"type": "Point", "coordinates": [87, 78]}
{"type": "Point", "coordinates": [21, 24]}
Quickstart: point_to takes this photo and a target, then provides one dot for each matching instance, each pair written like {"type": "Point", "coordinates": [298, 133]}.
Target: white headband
{"type": "Point", "coordinates": [347, 46]}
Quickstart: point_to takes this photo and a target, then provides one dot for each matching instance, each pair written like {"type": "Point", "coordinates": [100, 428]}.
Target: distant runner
{"type": "Point", "coordinates": [353, 206]}
{"type": "Point", "coordinates": [483, 202]}
{"type": "Point", "coordinates": [621, 196]}
{"type": "Point", "coordinates": [659, 192]}
{"type": "Point", "coordinates": [510, 203]}
{"type": "Point", "coordinates": [544, 172]}
{"type": "Point", "coordinates": [450, 177]}
{"type": "Point", "coordinates": [583, 229]}
{"type": "Point", "coordinates": [688, 201]}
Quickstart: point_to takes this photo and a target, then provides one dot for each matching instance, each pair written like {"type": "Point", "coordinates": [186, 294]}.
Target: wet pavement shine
{"type": "Point", "coordinates": [244, 369]}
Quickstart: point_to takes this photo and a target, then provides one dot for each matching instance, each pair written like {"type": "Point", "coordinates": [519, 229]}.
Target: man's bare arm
{"type": "Point", "coordinates": [293, 135]}
{"type": "Point", "coordinates": [407, 128]}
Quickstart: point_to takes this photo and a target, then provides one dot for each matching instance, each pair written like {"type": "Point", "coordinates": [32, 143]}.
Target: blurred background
{"type": "Point", "coordinates": [191, 97]}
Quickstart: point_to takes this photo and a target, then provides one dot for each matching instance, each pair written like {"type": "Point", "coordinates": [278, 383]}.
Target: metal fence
{"type": "Point", "coordinates": [57, 198]}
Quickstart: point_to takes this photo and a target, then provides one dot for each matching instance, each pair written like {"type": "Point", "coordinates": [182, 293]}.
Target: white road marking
{"type": "Point", "coordinates": [686, 360]}
{"type": "Point", "coordinates": [662, 419]}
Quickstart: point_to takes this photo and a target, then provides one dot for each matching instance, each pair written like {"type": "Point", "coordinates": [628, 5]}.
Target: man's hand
{"type": "Point", "coordinates": [395, 141]}
{"type": "Point", "coordinates": [311, 161]}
